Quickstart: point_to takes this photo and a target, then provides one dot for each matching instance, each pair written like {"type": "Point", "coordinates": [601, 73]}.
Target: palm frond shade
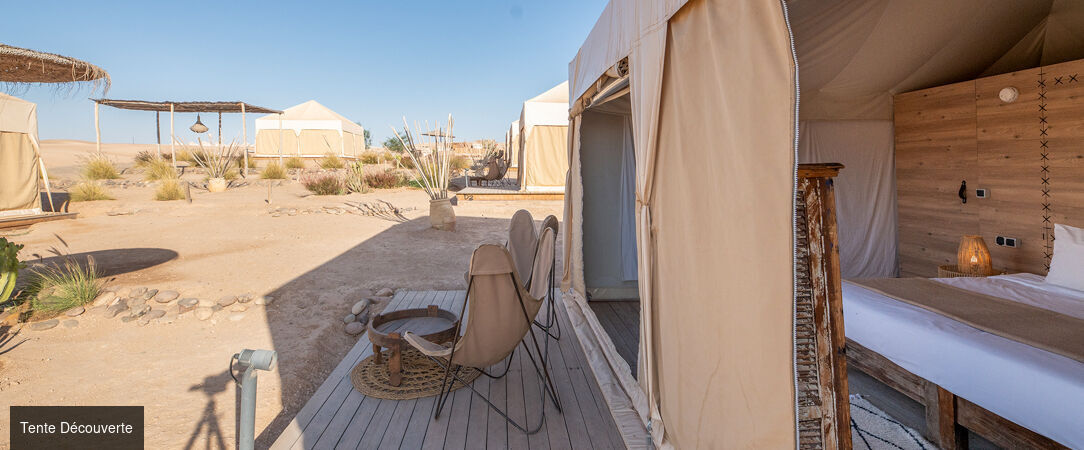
{"type": "Point", "coordinates": [973, 257]}
{"type": "Point", "coordinates": [20, 65]}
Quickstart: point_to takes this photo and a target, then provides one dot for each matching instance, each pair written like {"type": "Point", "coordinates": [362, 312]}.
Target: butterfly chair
{"type": "Point", "coordinates": [550, 223]}
{"type": "Point", "coordinates": [499, 313]}
{"type": "Point", "coordinates": [522, 244]}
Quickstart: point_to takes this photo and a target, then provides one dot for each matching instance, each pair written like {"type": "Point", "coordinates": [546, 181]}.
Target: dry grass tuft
{"type": "Point", "coordinates": [385, 180]}
{"type": "Point", "coordinates": [169, 189]}
{"type": "Point", "coordinates": [99, 167]}
{"type": "Point", "coordinates": [324, 184]}
{"type": "Point", "coordinates": [273, 171]}
{"type": "Point", "coordinates": [294, 162]}
{"type": "Point", "coordinates": [159, 169]}
{"type": "Point", "coordinates": [332, 161]}
{"type": "Point", "coordinates": [88, 191]}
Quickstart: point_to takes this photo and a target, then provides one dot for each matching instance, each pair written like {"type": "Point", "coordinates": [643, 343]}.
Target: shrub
{"type": "Point", "coordinates": [169, 189]}
{"type": "Point", "coordinates": [460, 162]}
{"type": "Point", "coordinates": [241, 161]}
{"type": "Point", "coordinates": [9, 268]}
{"type": "Point", "coordinates": [332, 161]}
{"type": "Point", "coordinates": [88, 191]}
{"type": "Point", "coordinates": [53, 289]}
{"type": "Point", "coordinates": [370, 158]}
{"type": "Point", "coordinates": [99, 167]}
{"type": "Point", "coordinates": [144, 157]}
{"type": "Point", "coordinates": [384, 180]}
{"type": "Point", "coordinates": [294, 162]}
{"type": "Point", "coordinates": [324, 184]}
{"type": "Point", "coordinates": [159, 169]}
{"type": "Point", "coordinates": [273, 171]}
{"type": "Point", "coordinates": [355, 179]}
{"type": "Point", "coordinates": [186, 156]}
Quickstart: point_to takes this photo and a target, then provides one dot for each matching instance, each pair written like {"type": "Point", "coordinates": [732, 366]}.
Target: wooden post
{"type": "Point", "coordinates": [244, 137]}
{"type": "Point", "coordinates": [220, 131]}
{"type": "Point", "coordinates": [158, 130]}
{"type": "Point", "coordinates": [97, 129]}
{"type": "Point", "coordinates": [280, 140]}
{"type": "Point", "coordinates": [172, 139]}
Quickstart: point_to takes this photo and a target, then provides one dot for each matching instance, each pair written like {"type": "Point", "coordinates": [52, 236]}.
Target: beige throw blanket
{"type": "Point", "coordinates": [1037, 327]}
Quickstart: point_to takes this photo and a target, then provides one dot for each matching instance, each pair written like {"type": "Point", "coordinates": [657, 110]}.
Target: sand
{"type": "Point", "coordinates": [314, 266]}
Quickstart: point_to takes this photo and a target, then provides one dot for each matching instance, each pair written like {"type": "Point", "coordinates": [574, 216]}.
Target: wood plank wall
{"type": "Point", "coordinates": [963, 131]}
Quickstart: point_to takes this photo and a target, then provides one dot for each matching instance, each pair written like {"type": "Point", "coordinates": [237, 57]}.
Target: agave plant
{"type": "Point", "coordinates": [9, 268]}
{"type": "Point", "coordinates": [216, 161]}
{"type": "Point", "coordinates": [432, 166]}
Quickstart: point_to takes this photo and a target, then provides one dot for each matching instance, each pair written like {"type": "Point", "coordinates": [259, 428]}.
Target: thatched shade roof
{"type": "Point", "coordinates": [20, 65]}
{"type": "Point", "coordinates": [196, 107]}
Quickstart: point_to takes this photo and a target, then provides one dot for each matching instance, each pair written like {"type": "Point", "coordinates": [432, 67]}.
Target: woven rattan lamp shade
{"type": "Point", "coordinates": [973, 257]}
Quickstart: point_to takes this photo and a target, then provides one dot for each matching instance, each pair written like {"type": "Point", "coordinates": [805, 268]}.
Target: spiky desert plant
{"type": "Point", "coordinates": [57, 287]}
{"type": "Point", "coordinates": [324, 184]}
{"type": "Point", "coordinates": [9, 267]}
{"type": "Point", "coordinates": [97, 166]}
{"type": "Point", "coordinates": [294, 162]}
{"type": "Point", "coordinates": [88, 191]}
{"type": "Point", "coordinates": [273, 171]}
{"type": "Point", "coordinates": [355, 178]}
{"type": "Point", "coordinates": [332, 161]}
{"type": "Point", "coordinates": [432, 168]}
{"type": "Point", "coordinates": [216, 161]}
{"type": "Point", "coordinates": [169, 189]}
{"type": "Point", "coordinates": [159, 169]}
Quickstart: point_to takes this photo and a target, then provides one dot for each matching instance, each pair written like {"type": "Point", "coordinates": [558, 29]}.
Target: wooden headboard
{"type": "Point", "coordinates": [1027, 154]}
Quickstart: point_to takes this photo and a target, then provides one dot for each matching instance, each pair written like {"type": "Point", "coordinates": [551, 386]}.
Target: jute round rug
{"type": "Point", "coordinates": [421, 377]}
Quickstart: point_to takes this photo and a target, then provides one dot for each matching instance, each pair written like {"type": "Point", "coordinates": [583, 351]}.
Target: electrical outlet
{"type": "Point", "coordinates": [1007, 241]}
{"type": "Point", "coordinates": [982, 193]}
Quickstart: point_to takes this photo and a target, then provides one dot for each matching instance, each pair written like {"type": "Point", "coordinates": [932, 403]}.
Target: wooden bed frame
{"type": "Point", "coordinates": [948, 416]}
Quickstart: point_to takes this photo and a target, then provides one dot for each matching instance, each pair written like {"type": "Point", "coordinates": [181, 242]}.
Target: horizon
{"type": "Point", "coordinates": [500, 53]}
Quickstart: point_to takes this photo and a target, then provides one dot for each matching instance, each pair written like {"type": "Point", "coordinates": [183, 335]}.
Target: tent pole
{"type": "Point", "coordinates": [97, 129]}
{"type": "Point", "coordinates": [244, 137]}
{"type": "Point", "coordinates": [158, 131]}
{"type": "Point", "coordinates": [220, 131]}
{"type": "Point", "coordinates": [172, 139]}
{"type": "Point", "coordinates": [280, 139]}
{"type": "Point", "coordinates": [44, 173]}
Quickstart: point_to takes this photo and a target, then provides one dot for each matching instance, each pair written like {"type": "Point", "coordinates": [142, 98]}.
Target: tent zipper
{"type": "Point", "coordinates": [794, 224]}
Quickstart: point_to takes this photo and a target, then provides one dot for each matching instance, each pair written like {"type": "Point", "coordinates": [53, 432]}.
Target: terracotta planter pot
{"type": "Point", "coordinates": [216, 184]}
{"type": "Point", "coordinates": [441, 215]}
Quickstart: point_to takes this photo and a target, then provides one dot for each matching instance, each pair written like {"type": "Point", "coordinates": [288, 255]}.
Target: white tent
{"type": "Point", "coordinates": [684, 131]}
{"type": "Point", "coordinates": [543, 141]}
{"type": "Point", "coordinates": [308, 130]}
{"type": "Point", "coordinates": [21, 167]}
{"type": "Point", "coordinates": [512, 145]}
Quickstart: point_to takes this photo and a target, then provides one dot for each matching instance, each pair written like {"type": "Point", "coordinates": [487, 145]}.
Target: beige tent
{"type": "Point", "coordinates": [308, 130]}
{"type": "Point", "coordinates": [21, 167]}
{"type": "Point", "coordinates": [543, 141]}
{"type": "Point", "coordinates": [511, 145]}
{"type": "Point", "coordinates": [684, 140]}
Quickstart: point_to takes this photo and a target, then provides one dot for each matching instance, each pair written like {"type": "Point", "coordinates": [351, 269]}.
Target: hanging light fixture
{"type": "Point", "coordinates": [198, 127]}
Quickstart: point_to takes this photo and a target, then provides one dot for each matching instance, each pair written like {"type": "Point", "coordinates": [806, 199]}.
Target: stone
{"type": "Point", "coordinates": [245, 298]}
{"type": "Point", "coordinates": [364, 318]}
{"type": "Point", "coordinates": [359, 307]}
{"type": "Point", "coordinates": [354, 328]}
{"type": "Point", "coordinates": [45, 325]}
{"type": "Point", "coordinates": [171, 316]}
{"type": "Point", "coordinates": [123, 292]}
{"type": "Point", "coordinates": [140, 311]}
{"type": "Point", "coordinates": [154, 314]}
{"type": "Point", "coordinates": [217, 308]}
{"type": "Point", "coordinates": [237, 316]}
{"type": "Point", "coordinates": [75, 311]}
{"type": "Point", "coordinates": [204, 313]}
{"type": "Point", "coordinates": [127, 319]}
{"type": "Point", "coordinates": [136, 302]}
{"type": "Point", "coordinates": [137, 292]}
{"type": "Point", "coordinates": [105, 298]}
{"type": "Point", "coordinates": [186, 305]}
{"type": "Point", "coordinates": [350, 318]}
{"type": "Point", "coordinates": [97, 310]}
{"type": "Point", "coordinates": [226, 301]}
{"type": "Point", "coordinates": [238, 307]}
{"type": "Point", "coordinates": [263, 300]}
{"type": "Point", "coordinates": [70, 323]}
{"type": "Point", "coordinates": [166, 296]}
{"type": "Point", "coordinates": [206, 302]}
{"type": "Point", "coordinates": [150, 294]}
{"type": "Point", "coordinates": [386, 292]}
{"type": "Point", "coordinates": [118, 308]}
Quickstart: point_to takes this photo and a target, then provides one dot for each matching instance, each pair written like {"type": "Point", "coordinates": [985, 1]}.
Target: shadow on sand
{"type": "Point", "coordinates": [111, 262]}
{"type": "Point", "coordinates": [395, 258]}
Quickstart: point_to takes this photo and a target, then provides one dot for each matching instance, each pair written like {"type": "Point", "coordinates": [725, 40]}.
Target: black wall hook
{"type": "Point", "coordinates": [963, 191]}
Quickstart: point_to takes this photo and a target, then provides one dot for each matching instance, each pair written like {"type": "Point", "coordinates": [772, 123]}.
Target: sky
{"type": "Point", "coordinates": [371, 61]}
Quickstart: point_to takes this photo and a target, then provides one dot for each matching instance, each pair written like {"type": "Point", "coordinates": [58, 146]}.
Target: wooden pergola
{"type": "Point", "coordinates": [176, 107]}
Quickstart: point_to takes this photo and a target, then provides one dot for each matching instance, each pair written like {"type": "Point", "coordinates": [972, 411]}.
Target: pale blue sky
{"type": "Point", "coordinates": [371, 61]}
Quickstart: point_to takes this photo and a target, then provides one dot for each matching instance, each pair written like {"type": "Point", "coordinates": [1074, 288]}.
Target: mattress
{"type": "Point", "coordinates": [1034, 388]}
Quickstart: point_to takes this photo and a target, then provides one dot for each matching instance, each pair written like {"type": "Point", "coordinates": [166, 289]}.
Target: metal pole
{"type": "Point", "coordinates": [172, 139]}
{"type": "Point", "coordinates": [158, 131]}
{"type": "Point", "coordinates": [244, 137]}
{"type": "Point", "coordinates": [97, 129]}
{"type": "Point", "coordinates": [246, 435]}
{"type": "Point", "coordinates": [280, 139]}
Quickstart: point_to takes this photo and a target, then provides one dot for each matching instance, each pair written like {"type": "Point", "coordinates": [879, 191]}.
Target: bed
{"type": "Point", "coordinates": [971, 370]}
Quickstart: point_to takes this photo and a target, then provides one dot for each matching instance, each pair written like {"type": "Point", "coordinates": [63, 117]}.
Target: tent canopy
{"type": "Point", "coordinates": [310, 115]}
{"type": "Point", "coordinates": [19, 158]}
{"type": "Point", "coordinates": [184, 107]}
{"type": "Point", "coordinates": [543, 141]}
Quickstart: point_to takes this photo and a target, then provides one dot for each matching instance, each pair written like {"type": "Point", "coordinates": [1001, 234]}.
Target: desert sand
{"type": "Point", "coordinates": [312, 264]}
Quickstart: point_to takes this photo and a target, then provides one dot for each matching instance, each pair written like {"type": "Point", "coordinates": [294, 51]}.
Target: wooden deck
{"type": "Point", "coordinates": [621, 320]}
{"type": "Point", "coordinates": [505, 192]}
{"type": "Point", "coordinates": [337, 416]}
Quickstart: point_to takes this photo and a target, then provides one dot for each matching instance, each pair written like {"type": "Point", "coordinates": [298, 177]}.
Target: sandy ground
{"type": "Point", "coordinates": [313, 265]}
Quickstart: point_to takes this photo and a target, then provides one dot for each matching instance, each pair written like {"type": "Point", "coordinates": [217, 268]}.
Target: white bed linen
{"type": "Point", "coordinates": [1031, 387]}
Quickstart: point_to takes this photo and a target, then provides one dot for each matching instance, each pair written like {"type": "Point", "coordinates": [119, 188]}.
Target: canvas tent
{"type": "Point", "coordinates": [308, 130]}
{"type": "Point", "coordinates": [685, 130]}
{"type": "Point", "coordinates": [21, 168]}
{"type": "Point", "coordinates": [511, 146]}
{"type": "Point", "coordinates": [543, 141]}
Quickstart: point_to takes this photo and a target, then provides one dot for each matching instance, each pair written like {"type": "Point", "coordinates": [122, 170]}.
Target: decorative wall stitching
{"type": "Point", "coordinates": [1044, 172]}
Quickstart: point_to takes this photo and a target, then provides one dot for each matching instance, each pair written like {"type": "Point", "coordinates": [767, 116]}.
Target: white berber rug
{"type": "Point", "coordinates": [872, 429]}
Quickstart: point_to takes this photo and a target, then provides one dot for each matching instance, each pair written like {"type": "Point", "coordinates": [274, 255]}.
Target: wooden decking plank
{"type": "Point", "coordinates": [458, 417]}
{"type": "Point", "coordinates": [478, 423]}
{"type": "Point", "coordinates": [556, 430]}
{"type": "Point", "coordinates": [293, 430]}
{"type": "Point", "coordinates": [575, 426]}
{"type": "Point", "coordinates": [533, 399]}
{"type": "Point", "coordinates": [438, 428]}
{"type": "Point", "coordinates": [400, 418]}
{"type": "Point", "coordinates": [516, 438]}
{"type": "Point", "coordinates": [496, 426]}
{"type": "Point", "coordinates": [418, 427]}
{"type": "Point", "coordinates": [592, 405]}
{"type": "Point", "coordinates": [354, 432]}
